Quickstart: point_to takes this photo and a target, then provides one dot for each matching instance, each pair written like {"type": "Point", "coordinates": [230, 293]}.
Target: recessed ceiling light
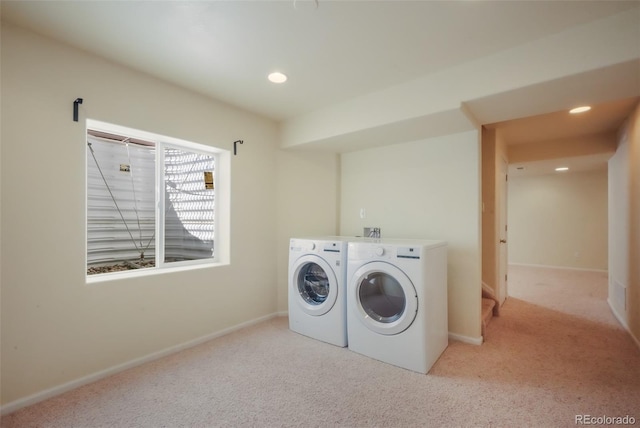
{"type": "Point", "coordinates": [580, 109]}
{"type": "Point", "coordinates": [277, 77]}
{"type": "Point", "coordinates": [562, 168]}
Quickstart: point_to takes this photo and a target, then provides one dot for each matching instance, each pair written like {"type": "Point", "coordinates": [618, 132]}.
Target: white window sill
{"type": "Point", "coordinates": [123, 275]}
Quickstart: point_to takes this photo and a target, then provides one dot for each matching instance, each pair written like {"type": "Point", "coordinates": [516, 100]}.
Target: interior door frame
{"type": "Point", "coordinates": [502, 231]}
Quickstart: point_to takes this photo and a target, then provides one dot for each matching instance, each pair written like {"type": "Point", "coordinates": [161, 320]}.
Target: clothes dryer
{"type": "Point", "coordinates": [397, 301]}
{"type": "Point", "coordinates": [317, 288]}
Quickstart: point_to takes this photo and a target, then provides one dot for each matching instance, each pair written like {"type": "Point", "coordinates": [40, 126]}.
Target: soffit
{"type": "Point", "coordinates": [601, 119]}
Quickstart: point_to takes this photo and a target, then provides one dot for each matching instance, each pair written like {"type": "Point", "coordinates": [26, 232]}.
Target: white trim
{"type": "Point", "coordinates": [623, 323]}
{"type": "Point", "coordinates": [617, 315]}
{"type": "Point", "coordinates": [60, 389]}
{"type": "Point", "coordinates": [220, 231]}
{"type": "Point", "coordinates": [466, 339]}
{"type": "Point", "coordinates": [111, 276]}
{"type": "Point", "coordinates": [559, 267]}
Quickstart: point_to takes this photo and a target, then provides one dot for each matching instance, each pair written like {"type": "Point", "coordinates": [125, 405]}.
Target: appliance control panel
{"type": "Point", "coordinates": [384, 252]}
{"type": "Point", "coordinates": [311, 246]}
{"type": "Point", "coordinates": [408, 252]}
{"type": "Point", "coordinates": [331, 247]}
{"type": "Point", "coordinates": [298, 246]}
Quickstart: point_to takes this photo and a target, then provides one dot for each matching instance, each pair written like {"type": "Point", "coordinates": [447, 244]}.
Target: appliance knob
{"type": "Point", "coordinates": [379, 251]}
{"type": "Point", "coordinates": [313, 246]}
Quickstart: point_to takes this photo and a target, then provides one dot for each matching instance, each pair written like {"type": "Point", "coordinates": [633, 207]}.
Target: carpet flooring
{"type": "Point", "coordinates": [555, 352]}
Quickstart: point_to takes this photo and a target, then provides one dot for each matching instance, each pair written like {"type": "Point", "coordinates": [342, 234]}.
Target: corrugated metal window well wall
{"type": "Point", "coordinates": [130, 225]}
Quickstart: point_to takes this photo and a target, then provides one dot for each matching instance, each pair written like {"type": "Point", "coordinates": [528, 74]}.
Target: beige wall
{"type": "Point", "coordinates": [307, 187]}
{"type": "Point", "coordinates": [56, 328]}
{"type": "Point", "coordinates": [619, 227]}
{"type": "Point", "coordinates": [634, 226]}
{"type": "Point", "coordinates": [564, 148]}
{"type": "Point", "coordinates": [624, 227]}
{"type": "Point", "coordinates": [424, 189]}
{"type": "Point", "coordinates": [559, 220]}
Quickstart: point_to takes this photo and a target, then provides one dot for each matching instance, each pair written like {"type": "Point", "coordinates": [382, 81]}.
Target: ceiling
{"type": "Point", "coordinates": [332, 51]}
{"type": "Point", "coordinates": [604, 118]}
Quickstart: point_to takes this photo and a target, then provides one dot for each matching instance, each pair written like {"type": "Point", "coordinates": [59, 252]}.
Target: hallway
{"type": "Point", "coordinates": [581, 293]}
{"type": "Point", "coordinates": [556, 346]}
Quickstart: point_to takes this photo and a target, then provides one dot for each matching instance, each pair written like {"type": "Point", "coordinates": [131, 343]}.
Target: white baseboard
{"type": "Point", "coordinates": [59, 389]}
{"type": "Point", "coordinates": [558, 267]}
{"type": "Point", "coordinates": [623, 323]}
{"type": "Point", "coordinates": [466, 339]}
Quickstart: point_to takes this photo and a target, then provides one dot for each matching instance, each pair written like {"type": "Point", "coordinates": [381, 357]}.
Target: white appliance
{"type": "Point", "coordinates": [397, 301]}
{"type": "Point", "coordinates": [317, 288]}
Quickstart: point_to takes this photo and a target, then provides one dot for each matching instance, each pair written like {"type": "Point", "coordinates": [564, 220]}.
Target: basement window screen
{"type": "Point", "coordinates": [151, 204]}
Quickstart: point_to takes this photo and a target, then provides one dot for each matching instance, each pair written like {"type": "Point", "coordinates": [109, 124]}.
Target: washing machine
{"type": "Point", "coordinates": [317, 288]}
{"type": "Point", "coordinates": [397, 301]}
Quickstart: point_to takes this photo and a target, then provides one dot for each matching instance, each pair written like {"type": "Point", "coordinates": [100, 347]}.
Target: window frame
{"type": "Point", "coordinates": [221, 232]}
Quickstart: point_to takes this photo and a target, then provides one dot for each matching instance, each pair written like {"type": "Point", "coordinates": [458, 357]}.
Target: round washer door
{"type": "Point", "coordinates": [384, 297]}
{"type": "Point", "coordinates": [314, 285]}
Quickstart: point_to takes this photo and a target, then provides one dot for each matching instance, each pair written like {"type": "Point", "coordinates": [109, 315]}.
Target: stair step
{"type": "Point", "coordinates": [487, 310]}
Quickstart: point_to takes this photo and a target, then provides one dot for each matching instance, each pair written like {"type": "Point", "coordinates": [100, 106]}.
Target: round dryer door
{"type": "Point", "coordinates": [315, 284]}
{"type": "Point", "coordinates": [385, 298]}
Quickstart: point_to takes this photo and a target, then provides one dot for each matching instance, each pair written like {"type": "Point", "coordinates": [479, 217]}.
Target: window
{"type": "Point", "coordinates": [152, 201]}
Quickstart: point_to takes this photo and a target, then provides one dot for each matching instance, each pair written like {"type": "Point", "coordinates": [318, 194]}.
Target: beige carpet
{"type": "Point", "coordinates": [555, 352]}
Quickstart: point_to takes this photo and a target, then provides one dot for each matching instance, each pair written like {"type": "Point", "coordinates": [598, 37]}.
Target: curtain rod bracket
{"type": "Point", "coordinates": [235, 148]}
{"type": "Point", "coordinates": [75, 108]}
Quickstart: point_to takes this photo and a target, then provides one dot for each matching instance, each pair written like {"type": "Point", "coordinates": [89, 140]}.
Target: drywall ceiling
{"type": "Point", "coordinates": [589, 163]}
{"type": "Point", "coordinates": [602, 118]}
{"type": "Point", "coordinates": [331, 50]}
{"type": "Point", "coordinates": [557, 127]}
{"type": "Point", "coordinates": [338, 51]}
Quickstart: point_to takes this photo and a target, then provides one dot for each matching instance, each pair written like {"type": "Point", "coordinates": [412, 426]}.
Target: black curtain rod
{"type": "Point", "coordinates": [75, 108]}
